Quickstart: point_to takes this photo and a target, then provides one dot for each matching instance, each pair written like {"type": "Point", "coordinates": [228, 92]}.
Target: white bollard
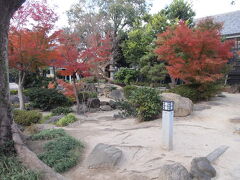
{"type": "Point", "coordinates": [167, 125]}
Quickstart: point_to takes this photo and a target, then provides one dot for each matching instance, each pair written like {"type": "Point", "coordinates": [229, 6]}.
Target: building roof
{"type": "Point", "coordinates": [231, 22]}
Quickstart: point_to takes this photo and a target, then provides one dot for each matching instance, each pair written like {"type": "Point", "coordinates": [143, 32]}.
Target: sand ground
{"type": "Point", "coordinates": [207, 128]}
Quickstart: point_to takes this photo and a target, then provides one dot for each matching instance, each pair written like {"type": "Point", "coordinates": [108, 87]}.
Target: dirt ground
{"type": "Point", "coordinates": [207, 128]}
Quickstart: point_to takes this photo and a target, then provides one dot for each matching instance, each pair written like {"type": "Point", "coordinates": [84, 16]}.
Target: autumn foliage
{"type": "Point", "coordinates": [194, 55]}
{"type": "Point", "coordinates": [31, 44]}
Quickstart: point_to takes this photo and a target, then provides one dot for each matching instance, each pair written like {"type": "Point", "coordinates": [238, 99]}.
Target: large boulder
{"type": "Point", "coordinates": [182, 106]}
{"type": "Point", "coordinates": [104, 156]}
{"type": "Point", "coordinates": [93, 103]}
{"type": "Point", "coordinates": [116, 94]}
{"type": "Point", "coordinates": [202, 169]}
{"type": "Point", "coordinates": [174, 171]}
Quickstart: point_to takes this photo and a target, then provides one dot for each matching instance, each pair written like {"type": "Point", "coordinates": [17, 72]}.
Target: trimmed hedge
{"type": "Point", "coordinates": [26, 118]}
{"type": "Point", "coordinates": [46, 99]}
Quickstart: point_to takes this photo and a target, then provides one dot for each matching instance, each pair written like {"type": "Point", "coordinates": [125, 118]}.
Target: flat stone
{"type": "Point", "coordinates": [53, 119]}
{"type": "Point", "coordinates": [174, 171]}
{"type": "Point", "coordinates": [106, 108]}
{"type": "Point", "coordinates": [104, 156]}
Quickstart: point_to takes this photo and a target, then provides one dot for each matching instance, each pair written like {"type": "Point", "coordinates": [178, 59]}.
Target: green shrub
{"type": "Point", "coordinates": [61, 110]}
{"type": "Point", "coordinates": [197, 92]}
{"type": "Point", "coordinates": [62, 153]}
{"type": "Point", "coordinates": [46, 99]}
{"type": "Point", "coordinates": [12, 169]}
{"type": "Point", "coordinates": [128, 90]}
{"type": "Point", "coordinates": [85, 95]}
{"type": "Point", "coordinates": [68, 119]}
{"type": "Point", "coordinates": [26, 118]}
{"type": "Point", "coordinates": [147, 103]}
{"type": "Point", "coordinates": [126, 75]}
{"type": "Point", "coordinates": [33, 80]}
{"type": "Point", "coordinates": [127, 110]}
{"type": "Point", "coordinates": [49, 134]}
{"type": "Point", "coordinates": [13, 92]}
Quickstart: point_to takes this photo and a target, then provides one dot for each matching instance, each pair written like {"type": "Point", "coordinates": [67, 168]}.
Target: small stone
{"type": "Point", "coordinates": [104, 156]}
{"type": "Point", "coordinates": [174, 171]}
{"type": "Point", "coordinates": [202, 169]}
{"type": "Point", "coordinates": [106, 108]}
{"type": "Point", "coordinates": [235, 120]}
{"type": "Point", "coordinates": [118, 116]}
{"type": "Point", "coordinates": [237, 130]}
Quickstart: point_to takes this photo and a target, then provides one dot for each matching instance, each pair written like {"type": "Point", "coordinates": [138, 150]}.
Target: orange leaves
{"type": "Point", "coordinates": [193, 55]}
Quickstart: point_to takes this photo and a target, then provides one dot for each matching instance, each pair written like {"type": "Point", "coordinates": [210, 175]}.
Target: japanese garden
{"type": "Point", "coordinates": [118, 92]}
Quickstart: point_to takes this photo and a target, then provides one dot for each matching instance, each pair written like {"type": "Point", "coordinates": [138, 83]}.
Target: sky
{"type": "Point", "coordinates": [201, 7]}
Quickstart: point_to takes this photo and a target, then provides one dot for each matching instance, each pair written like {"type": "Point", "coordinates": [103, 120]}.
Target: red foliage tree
{"type": "Point", "coordinates": [193, 55]}
{"type": "Point", "coordinates": [31, 43]}
{"type": "Point", "coordinates": [69, 60]}
{"type": "Point", "coordinates": [82, 61]}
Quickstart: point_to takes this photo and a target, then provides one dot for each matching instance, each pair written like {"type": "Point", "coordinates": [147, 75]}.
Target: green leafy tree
{"type": "Point", "coordinates": [180, 9]}
{"type": "Point", "coordinates": [107, 15]}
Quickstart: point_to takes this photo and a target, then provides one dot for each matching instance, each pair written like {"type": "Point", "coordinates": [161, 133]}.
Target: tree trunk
{"type": "Point", "coordinates": [7, 8]}
{"type": "Point", "coordinates": [76, 94]}
{"type": "Point", "coordinates": [21, 78]}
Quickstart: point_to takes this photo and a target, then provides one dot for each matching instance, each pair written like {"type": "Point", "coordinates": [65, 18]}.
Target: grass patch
{"type": "Point", "coordinates": [68, 119]}
{"type": "Point", "coordinates": [49, 134]}
{"type": "Point", "coordinates": [62, 153]}
{"type": "Point", "coordinates": [11, 168]}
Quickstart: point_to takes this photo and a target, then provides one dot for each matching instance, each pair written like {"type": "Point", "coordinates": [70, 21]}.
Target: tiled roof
{"type": "Point", "coordinates": [231, 22]}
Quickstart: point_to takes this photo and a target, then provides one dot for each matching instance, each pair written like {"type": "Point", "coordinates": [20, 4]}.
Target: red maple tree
{"type": "Point", "coordinates": [194, 55]}
{"type": "Point", "coordinates": [31, 43]}
{"type": "Point", "coordinates": [69, 60]}
{"type": "Point", "coordinates": [81, 61]}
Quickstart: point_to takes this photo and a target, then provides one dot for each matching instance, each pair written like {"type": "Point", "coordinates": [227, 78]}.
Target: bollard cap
{"type": "Point", "coordinates": [168, 105]}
